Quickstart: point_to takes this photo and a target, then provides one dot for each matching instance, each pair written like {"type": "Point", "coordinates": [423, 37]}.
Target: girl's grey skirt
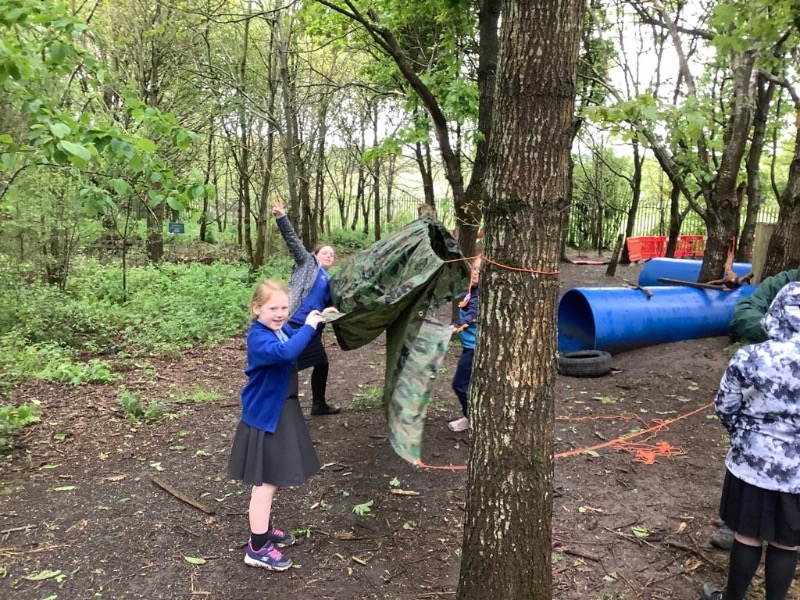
{"type": "Point", "coordinates": [286, 457]}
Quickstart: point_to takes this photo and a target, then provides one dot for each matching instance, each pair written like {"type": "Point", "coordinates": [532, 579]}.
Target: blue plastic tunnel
{"type": "Point", "coordinates": [619, 318]}
{"type": "Point", "coordinates": [680, 269]}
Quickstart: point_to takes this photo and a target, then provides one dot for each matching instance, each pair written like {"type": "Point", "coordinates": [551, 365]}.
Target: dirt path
{"type": "Point", "coordinates": [77, 496]}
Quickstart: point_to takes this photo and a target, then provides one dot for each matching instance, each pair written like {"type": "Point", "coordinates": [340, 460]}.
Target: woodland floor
{"type": "Point", "coordinates": [77, 494]}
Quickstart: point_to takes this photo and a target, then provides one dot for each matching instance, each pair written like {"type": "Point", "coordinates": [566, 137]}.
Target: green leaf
{"type": "Point", "coordinates": [640, 531]}
{"type": "Point", "coordinates": [175, 204]}
{"type": "Point", "coordinates": [155, 198]}
{"type": "Point", "coordinates": [12, 68]}
{"type": "Point", "coordinates": [183, 140]}
{"type": "Point", "coordinates": [6, 139]}
{"type": "Point", "coordinates": [42, 575]}
{"type": "Point", "coordinates": [197, 191]}
{"type": "Point", "coordinates": [120, 186]}
{"type": "Point", "coordinates": [192, 560]}
{"type": "Point", "coordinates": [76, 150]}
{"type": "Point", "coordinates": [136, 165]}
{"type": "Point", "coordinates": [16, 15]}
{"type": "Point", "coordinates": [145, 145]}
{"type": "Point", "coordinates": [394, 482]}
{"type": "Point", "coordinates": [60, 129]}
{"type": "Point", "coordinates": [363, 509]}
{"type": "Point", "coordinates": [58, 52]}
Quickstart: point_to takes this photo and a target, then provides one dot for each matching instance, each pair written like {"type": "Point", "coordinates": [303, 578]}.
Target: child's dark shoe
{"type": "Point", "coordinates": [709, 592]}
{"type": "Point", "coordinates": [281, 538]}
{"type": "Point", "coordinates": [267, 557]}
{"type": "Point", "coordinates": [325, 409]}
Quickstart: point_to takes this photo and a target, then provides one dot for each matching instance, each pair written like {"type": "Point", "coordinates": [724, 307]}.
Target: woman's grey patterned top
{"type": "Point", "coordinates": [759, 401]}
{"type": "Point", "coordinates": [306, 265]}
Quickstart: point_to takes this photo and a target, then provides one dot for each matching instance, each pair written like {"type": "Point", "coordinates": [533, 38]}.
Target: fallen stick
{"type": "Point", "coordinates": [13, 529]}
{"type": "Point", "coordinates": [697, 552]}
{"type": "Point", "coordinates": [580, 554]}
{"type": "Point", "coordinates": [181, 496]}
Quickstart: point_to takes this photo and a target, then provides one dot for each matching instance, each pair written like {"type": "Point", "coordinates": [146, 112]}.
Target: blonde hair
{"type": "Point", "coordinates": [265, 290]}
{"type": "Point", "coordinates": [426, 210]}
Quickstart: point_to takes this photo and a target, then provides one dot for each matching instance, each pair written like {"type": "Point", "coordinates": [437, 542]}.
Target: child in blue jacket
{"type": "Point", "coordinates": [272, 446]}
{"type": "Point", "coordinates": [467, 328]}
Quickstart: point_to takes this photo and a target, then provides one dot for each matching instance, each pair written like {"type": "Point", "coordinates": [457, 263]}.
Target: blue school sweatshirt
{"type": "Point", "coordinates": [269, 365]}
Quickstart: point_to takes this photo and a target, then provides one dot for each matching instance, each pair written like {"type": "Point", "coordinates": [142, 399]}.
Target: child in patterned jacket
{"type": "Point", "coordinates": [759, 404]}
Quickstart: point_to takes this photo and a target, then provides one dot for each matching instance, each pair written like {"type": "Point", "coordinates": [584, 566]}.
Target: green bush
{"type": "Point", "coordinates": [167, 307]}
{"type": "Point", "coordinates": [14, 419]}
{"type": "Point", "coordinates": [347, 241]}
{"type": "Point", "coordinates": [135, 408]}
{"type": "Point", "coordinates": [20, 360]}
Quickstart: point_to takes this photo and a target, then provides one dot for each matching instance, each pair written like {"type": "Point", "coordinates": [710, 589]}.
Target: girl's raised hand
{"type": "Point", "coordinates": [331, 310]}
{"type": "Point", "coordinates": [278, 209]}
{"type": "Point", "coordinates": [314, 318]}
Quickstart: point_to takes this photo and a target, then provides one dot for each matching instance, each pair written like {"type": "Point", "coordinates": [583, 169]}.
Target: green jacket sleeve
{"type": "Point", "coordinates": [747, 314]}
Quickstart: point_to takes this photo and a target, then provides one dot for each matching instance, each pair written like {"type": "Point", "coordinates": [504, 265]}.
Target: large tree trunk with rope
{"type": "Point", "coordinates": [784, 246]}
{"type": "Point", "coordinates": [507, 537]}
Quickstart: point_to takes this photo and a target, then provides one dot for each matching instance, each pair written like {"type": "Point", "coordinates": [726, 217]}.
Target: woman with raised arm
{"type": "Point", "coordinates": [308, 291]}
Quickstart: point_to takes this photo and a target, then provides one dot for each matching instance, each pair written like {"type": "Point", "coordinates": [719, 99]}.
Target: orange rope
{"type": "Point", "coordinates": [622, 440]}
{"type": "Point", "coordinates": [502, 266]}
{"type": "Point", "coordinates": [642, 451]}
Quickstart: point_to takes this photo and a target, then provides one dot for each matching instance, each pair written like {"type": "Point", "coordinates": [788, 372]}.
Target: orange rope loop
{"type": "Point", "coordinates": [641, 450]}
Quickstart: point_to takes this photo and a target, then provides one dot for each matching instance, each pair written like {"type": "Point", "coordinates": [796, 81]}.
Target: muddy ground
{"type": "Point", "coordinates": [81, 516]}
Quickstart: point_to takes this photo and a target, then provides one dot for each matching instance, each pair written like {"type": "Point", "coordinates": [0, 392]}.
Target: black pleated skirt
{"type": "Point", "coordinates": [314, 354]}
{"type": "Point", "coordinates": [284, 458]}
{"type": "Point", "coordinates": [765, 515]}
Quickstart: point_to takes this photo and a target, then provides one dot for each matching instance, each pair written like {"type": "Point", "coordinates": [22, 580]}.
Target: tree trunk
{"type": "Point", "coordinates": [289, 137]}
{"type": "Point", "coordinates": [244, 148]}
{"type": "Point", "coordinates": [391, 171]}
{"type": "Point", "coordinates": [263, 213]}
{"type": "Point", "coordinates": [155, 235]}
{"type": "Point", "coordinates": [765, 92]}
{"type": "Point", "coordinates": [784, 246]}
{"type": "Point", "coordinates": [424, 162]}
{"type": "Point", "coordinates": [260, 250]}
{"type": "Point", "coordinates": [636, 189]}
{"type": "Point", "coordinates": [723, 204]}
{"type": "Point", "coordinates": [155, 217]}
{"type": "Point", "coordinates": [469, 212]}
{"type": "Point", "coordinates": [376, 174]}
{"type": "Point", "coordinates": [319, 162]}
{"type": "Point", "coordinates": [675, 221]}
{"type": "Point", "coordinates": [508, 536]}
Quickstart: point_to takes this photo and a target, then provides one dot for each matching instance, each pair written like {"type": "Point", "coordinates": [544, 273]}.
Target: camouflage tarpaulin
{"type": "Point", "coordinates": [397, 285]}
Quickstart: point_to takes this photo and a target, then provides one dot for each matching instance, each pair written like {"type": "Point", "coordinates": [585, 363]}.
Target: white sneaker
{"type": "Point", "coordinates": [459, 424]}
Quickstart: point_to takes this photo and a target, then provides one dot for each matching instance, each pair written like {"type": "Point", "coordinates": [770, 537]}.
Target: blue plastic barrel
{"type": "Point", "coordinates": [616, 319]}
{"type": "Point", "coordinates": [680, 269]}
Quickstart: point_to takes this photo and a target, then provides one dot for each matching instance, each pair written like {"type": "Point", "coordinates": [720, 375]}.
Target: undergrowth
{"type": "Point", "coordinates": [65, 336]}
{"type": "Point", "coordinates": [13, 419]}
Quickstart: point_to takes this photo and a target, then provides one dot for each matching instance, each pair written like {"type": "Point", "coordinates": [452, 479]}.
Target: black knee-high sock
{"type": "Point", "coordinates": [743, 565]}
{"type": "Point", "coordinates": [319, 384]}
{"type": "Point", "coordinates": [779, 571]}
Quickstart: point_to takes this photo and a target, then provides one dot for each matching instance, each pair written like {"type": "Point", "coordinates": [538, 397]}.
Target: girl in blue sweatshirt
{"type": "Point", "coordinates": [272, 447]}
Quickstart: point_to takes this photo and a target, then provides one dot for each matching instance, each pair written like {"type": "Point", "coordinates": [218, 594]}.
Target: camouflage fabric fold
{"type": "Point", "coordinates": [397, 285]}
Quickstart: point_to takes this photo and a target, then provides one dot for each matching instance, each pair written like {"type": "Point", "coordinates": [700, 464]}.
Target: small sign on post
{"type": "Point", "coordinates": [175, 227]}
